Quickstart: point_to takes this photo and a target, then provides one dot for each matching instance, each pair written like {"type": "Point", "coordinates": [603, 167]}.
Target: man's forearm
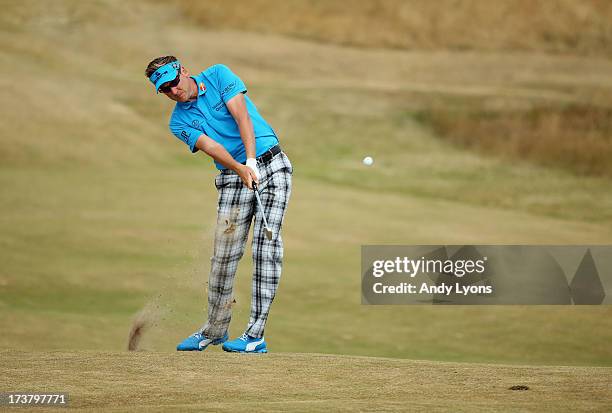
{"type": "Point", "coordinates": [246, 134]}
{"type": "Point", "coordinates": [222, 156]}
{"type": "Point", "coordinates": [238, 108]}
{"type": "Point", "coordinates": [217, 152]}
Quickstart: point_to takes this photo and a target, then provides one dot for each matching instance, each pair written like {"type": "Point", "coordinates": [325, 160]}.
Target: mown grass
{"type": "Point", "coordinates": [154, 381]}
{"type": "Point", "coordinates": [77, 268]}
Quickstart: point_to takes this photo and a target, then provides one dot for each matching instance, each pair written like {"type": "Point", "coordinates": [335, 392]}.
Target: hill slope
{"type": "Point", "coordinates": [562, 26]}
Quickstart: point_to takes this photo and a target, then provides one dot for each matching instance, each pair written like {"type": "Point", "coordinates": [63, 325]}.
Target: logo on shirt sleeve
{"type": "Point", "coordinates": [228, 88]}
{"type": "Point", "coordinates": [185, 135]}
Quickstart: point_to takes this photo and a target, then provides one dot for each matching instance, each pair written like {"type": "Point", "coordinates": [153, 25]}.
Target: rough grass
{"type": "Point", "coordinates": [563, 26]}
{"type": "Point", "coordinates": [218, 381]}
{"type": "Point", "coordinates": [577, 138]}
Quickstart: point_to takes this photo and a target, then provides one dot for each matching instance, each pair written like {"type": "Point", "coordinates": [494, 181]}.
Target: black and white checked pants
{"type": "Point", "coordinates": [237, 208]}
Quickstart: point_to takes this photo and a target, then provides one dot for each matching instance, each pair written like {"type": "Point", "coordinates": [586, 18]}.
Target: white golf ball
{"type": "Point", "coordinates": [368, 161]}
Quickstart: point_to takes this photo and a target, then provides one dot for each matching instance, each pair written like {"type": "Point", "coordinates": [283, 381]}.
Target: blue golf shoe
{"type": "Point", "coordinates": [246, 344]}
{"type": "Point", "coordinates": [198, 342]}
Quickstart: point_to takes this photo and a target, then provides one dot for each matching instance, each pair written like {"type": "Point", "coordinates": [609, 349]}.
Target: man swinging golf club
{"type": "Point", "coordinates": [213, 114]}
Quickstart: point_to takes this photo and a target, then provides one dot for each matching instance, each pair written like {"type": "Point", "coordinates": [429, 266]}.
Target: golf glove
{"type": "Point", "coordinates": [252, 163]}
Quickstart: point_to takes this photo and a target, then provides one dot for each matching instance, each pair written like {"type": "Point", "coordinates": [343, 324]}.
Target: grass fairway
{"type": "Point", "coordinates": [216, 381]}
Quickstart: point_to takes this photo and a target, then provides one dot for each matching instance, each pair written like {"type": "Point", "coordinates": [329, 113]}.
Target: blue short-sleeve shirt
{"type": "Point", "coordinates": [209, 115]}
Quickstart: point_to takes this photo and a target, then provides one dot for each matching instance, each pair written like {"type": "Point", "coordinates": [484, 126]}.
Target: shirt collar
{"type": "Point", "coordinates": [201, 90]}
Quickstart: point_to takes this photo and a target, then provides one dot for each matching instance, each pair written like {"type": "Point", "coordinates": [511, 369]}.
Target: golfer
{"type": "Point", "coordinates": [213, 114]}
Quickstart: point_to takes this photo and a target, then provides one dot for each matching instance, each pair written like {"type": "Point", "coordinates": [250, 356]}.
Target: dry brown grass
{"type": "Point", "coordinates": [286, 382]}
{"type": "Point", "coordinates": [576, 137]}
{"type": "Point", "coordinates": [565, 26]}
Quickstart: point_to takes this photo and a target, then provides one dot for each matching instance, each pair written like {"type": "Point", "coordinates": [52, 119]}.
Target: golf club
{"type": "Point", "coordinates": [267, 229]}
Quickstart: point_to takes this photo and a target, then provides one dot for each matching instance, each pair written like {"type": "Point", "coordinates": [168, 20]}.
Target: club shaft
{"type": "Point", "coordinates": [263, 214]}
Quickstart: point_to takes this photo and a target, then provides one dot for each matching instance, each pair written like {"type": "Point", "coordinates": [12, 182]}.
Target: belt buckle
{"type": "Point", "coordinates": [271, 150]}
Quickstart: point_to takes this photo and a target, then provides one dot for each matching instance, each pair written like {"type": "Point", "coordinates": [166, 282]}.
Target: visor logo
{"type": "Point", "coordinates": [157, 75]}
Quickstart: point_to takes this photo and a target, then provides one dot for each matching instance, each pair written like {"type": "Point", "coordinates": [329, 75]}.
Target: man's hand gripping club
{"type": "Point", "coordinates": [248, 173]}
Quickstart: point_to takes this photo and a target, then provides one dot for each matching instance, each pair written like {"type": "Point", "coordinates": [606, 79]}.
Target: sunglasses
{"type": "Point", "coordinates": [165, 88]}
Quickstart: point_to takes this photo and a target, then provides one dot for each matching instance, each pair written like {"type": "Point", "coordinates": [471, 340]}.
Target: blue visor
{"type": "Point", "coordinates": [164, 74]}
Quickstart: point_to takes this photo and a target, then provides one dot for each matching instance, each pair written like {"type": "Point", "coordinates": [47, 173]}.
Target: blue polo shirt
{"type": "Point", "coordinates": [209, 115]}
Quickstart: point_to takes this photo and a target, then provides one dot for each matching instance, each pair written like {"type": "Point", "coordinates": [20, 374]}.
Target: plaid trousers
{"type": "Point", "coordinates": [237, 206]}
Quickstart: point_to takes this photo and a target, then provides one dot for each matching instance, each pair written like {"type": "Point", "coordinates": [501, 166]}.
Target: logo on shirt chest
{"type": "Point", "coordinates": [195, 123]}
{"type": "Point", "coordinates": [218, 106]}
